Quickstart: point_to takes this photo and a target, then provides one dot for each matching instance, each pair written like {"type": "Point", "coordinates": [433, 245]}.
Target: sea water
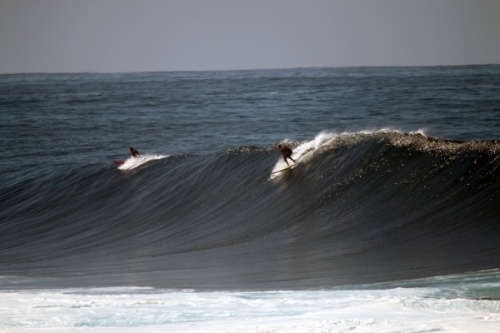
{"type": "Point", "coordinates": [389, 222]}
{"type": "Point", "coordinates": [432, 306]}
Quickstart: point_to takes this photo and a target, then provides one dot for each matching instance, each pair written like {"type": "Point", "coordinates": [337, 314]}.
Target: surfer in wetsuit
{"type": "Point", "coordinates": [287, 153]}
{"type": "Point", "coordinates": [133, 152]}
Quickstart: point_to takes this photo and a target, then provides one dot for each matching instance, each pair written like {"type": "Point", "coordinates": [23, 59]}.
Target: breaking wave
{"type": "Point", "coordinates": [358, 208]}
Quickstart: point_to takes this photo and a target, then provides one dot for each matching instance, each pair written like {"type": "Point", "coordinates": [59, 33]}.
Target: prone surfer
{"type": "Point", "coordinates": [287, 153]}
{"type": "Point", "coordinates": [133, 152]}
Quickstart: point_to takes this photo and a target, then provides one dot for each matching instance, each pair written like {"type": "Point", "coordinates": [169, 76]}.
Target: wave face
{"type": "Point", "coordinates": [358, 208]}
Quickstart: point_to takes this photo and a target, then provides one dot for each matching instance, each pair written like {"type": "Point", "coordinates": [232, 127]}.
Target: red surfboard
{"type": "Point", "coordinates": [119, 162]}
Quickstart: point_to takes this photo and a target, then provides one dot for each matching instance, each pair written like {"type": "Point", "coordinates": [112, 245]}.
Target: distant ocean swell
{"type": "Point", "coordinates": [360, 207]}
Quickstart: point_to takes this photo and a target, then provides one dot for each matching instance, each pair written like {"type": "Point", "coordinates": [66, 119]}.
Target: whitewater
{"type": "Point", "coordinates": [389, 222]}
{"type": "Point", "coordinates": [429, 305]}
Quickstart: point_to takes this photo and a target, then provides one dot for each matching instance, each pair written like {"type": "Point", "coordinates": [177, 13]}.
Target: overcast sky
{"type": "Point", "coordinates": [167, 35]}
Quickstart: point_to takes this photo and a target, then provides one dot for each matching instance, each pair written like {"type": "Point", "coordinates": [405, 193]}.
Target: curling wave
{"type": "Point", "coordinates": [359, 208]}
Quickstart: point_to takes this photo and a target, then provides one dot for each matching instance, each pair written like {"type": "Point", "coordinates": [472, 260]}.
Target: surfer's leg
{"type": "Point", "coordinates": [284, 159]}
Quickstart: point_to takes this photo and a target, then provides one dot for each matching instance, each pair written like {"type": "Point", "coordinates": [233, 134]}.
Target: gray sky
{"type": "Point", "coordinates": [165, 35]}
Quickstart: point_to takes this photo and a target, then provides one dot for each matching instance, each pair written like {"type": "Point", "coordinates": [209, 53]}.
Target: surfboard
{"type": "Point", "coordinates": [119, 162]}
{"type": "Point", "coordinates": [290, 167]}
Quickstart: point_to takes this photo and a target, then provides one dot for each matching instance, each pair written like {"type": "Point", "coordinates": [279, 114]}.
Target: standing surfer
{"type": "Point", "coordinates": [287, 153]}
{"type": "Point", "coordinates": [133, 152]}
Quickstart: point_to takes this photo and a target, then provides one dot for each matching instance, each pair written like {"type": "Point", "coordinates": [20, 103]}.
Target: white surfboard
{"type": "Point", "coordinates": [290, 167]}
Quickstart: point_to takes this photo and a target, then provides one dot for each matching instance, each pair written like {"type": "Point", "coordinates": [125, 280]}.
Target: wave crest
{"type": "Point", "coordinates": [359, 208]}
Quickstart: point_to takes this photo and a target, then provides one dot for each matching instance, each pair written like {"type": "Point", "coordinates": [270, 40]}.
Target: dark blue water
{"type": "Point", "coordinates": [399, 176]}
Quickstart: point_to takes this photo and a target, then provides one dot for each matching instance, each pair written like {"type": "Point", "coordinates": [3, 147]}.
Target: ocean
{"type": "Point", "coordinates": [389, 222]}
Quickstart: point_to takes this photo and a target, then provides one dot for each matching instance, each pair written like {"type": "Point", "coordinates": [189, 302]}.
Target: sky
{"type": "Point", "coordinates": [178, 35]}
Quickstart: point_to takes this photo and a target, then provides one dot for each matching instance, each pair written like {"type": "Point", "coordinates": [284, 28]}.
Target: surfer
{"type": "Point", "coordinates": [287, 153]}
{"type": "Point", "coordinates": [133, 152]}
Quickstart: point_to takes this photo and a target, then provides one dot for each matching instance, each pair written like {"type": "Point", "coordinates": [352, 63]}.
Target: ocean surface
{"type": "Point", "coordinates": [390, 221]}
